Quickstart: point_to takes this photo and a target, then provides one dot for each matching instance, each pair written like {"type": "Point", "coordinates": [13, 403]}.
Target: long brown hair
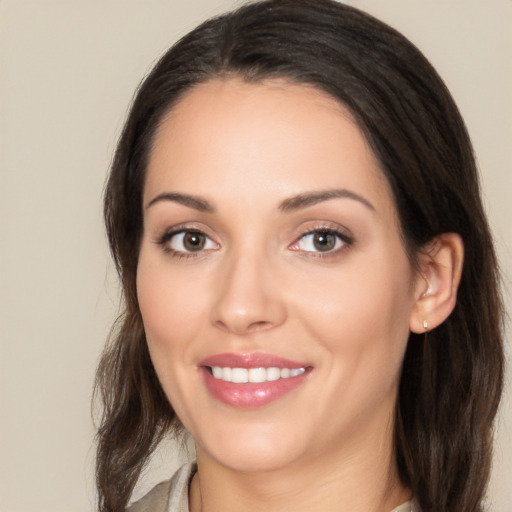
{"type": "Point", "coordinates": [451, 384]}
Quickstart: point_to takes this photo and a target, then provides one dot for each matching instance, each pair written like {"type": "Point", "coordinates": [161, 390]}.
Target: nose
{"type": "Point", "coordinates": [248, 298]}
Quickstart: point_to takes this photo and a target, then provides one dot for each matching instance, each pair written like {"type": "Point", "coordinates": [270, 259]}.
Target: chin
{"type": "Point", "coordinates": [243, 452]}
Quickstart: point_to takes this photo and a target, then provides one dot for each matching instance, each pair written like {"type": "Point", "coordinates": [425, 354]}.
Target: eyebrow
{"type": "Point", "coordinates": [297, 202]}
{"type": "Point", "coordinates": [311, 198]}
{"type": "Point", "coordinates": [194, 202]}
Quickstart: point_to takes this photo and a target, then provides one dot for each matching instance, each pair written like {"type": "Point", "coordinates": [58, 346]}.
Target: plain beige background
{"type": "Point", "coordinates": [68, 69]}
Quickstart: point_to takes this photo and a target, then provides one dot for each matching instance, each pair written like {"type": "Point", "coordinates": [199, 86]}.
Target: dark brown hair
{"type": "Point", "coordinates": [451, 384]}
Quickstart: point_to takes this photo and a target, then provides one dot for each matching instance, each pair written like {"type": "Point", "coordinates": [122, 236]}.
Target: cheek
{"type": "Point", "coordinates": [364, 309]}
{"type": "Point", "coordinates": [169, 307]}
{"type": "Point", "coordinates": [359, 323]}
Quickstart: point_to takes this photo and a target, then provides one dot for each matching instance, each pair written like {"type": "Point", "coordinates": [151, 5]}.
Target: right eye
{"type": "Point", "coordinates": [187, 242]}
{"type": "Point", "coordinates": [322, 241]}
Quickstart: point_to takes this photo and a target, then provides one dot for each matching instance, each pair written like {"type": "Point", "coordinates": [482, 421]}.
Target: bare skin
{"type": "Point", "coordinates": [269, 228]}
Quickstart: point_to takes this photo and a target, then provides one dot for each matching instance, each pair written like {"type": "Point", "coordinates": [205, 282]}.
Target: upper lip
{"type": "Point", "coordinates": [251, 360]}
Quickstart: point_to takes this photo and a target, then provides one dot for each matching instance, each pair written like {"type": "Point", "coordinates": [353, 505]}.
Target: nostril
{"type": "Point", "coordinates": [243, 308]}
{"type": "Point", "coordinates": [221, 325]}
{"type": "Point", "coordinates": [243, 327]}
{"type": "Point", "coordinates": [259, 326]}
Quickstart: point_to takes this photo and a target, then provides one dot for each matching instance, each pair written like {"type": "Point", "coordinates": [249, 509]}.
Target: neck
{"type": "Point", "coordinates": [362, 478]}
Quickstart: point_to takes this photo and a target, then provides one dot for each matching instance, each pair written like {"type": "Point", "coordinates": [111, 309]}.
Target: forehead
{"type": "Point", "coordinates": [267, 135]}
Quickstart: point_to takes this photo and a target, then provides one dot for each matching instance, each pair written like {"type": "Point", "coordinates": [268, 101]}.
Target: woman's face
{"type": "Point", "coordinates": [272, 254]}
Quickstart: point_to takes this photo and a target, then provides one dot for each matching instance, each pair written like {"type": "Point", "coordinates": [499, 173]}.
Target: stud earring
{"type": "Point", "coordinates": [425, 335]}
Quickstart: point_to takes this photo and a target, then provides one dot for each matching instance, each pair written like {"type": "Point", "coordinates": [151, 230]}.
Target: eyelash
{"type": "Point", "coordinates": [342, 237]}
{"type": "Point", "coordinates": [164, 240]}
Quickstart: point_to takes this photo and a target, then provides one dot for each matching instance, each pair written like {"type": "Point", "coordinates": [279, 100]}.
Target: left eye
{"type": "Point", "coordinates": [190, 241]}
{"type": "Point", "coordinates": [320, 241]}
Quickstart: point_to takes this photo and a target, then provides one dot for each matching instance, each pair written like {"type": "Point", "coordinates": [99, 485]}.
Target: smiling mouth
{"type": "Point", "coordinates": [249, 381]}
{"type": "Point", "coordinates": [254, 375]}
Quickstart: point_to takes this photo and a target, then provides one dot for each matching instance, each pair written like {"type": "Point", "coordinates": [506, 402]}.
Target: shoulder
{"type": "Point", "coordinates": [168, 496]}
{"type": "Point", "coordinates": [408, 506]}
{"type": "Point", "coordinates": [154, 501]}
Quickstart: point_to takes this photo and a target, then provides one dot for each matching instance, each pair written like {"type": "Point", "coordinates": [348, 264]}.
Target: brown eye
{"type": "Point", "coordinates": [194, 241]}
{"type": "Point", "coordinates": [324, 241]}
{"type": "Point", "coordinates": [188, 242]}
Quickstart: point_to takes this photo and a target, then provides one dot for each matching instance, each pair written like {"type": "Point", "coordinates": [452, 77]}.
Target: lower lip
{"type": "Point", "coordinates": [250, 395]}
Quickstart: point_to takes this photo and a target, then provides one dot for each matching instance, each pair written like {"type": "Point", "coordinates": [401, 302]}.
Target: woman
{"type": "Point", "coordinates": [310, 284]}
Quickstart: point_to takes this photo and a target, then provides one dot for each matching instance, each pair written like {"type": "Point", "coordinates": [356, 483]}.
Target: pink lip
{"type": "Point", "coordinates": [254, 360]}
{"type": "Point", "coordinates": [250, 395]}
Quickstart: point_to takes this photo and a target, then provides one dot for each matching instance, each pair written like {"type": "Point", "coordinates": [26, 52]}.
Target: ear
{"type": "Point", "coordinates": [435, 291]}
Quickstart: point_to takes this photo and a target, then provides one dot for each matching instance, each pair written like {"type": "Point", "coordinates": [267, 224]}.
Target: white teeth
{"type": "Point", "coordinates": [273, 373]}
{"type": "Point", "coordinates": [285, 373]}
{"type": "Point", "coordinates": [257, 375]}
{"type": "Point", "coordinates": [226, 374]}
{"type": "Point", "coordinates": [239, 375]}
{"type": "Point", "coordinates": [254, 375]}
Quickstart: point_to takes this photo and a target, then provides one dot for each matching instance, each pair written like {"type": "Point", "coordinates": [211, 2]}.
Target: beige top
{"type": "Point", "coordinates": [172, 495]}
